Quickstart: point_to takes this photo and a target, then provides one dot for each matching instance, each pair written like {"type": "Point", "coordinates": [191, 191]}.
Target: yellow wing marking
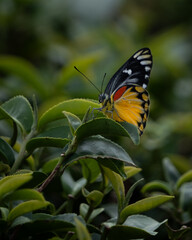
{"type": "Point", "coordinates": [139, 89]}
{"type": "Point", "coordinates": [145, 97]}
{"type": "Point", "coordinates": [141, 127]}
{"type": "Point", "coordinates": [131, 107]}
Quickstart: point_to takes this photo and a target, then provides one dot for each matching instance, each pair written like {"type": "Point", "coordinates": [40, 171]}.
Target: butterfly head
{"type": "Point", "coordinates": [103, 97]}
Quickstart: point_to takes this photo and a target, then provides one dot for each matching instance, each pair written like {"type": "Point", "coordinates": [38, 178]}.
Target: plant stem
{"type": "Point", "coordinates": [51, 176]}
{"type": "Point", "coordinates": [62, 161]}
{"type": "Point", "coordinates": [21, 154]}
{"type": "Point", "coordinates": [105, 233]}
{"type": "Point", "coordinates": [90, 210]}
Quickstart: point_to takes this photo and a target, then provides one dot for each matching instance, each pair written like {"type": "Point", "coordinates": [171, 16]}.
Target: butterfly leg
{"type": "Point", "coordinates": [92, 112]}
{"type": "Point", "coordinates": [109, 113]}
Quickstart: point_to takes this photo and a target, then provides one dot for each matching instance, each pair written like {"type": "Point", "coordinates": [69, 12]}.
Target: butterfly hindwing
{"type": "Point", "coordinates": [135, 71]}
{"type": "Point", "coordinates": [131, 104]}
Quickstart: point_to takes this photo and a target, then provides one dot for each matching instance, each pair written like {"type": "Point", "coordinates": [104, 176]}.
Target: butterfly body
{"type": "Point", "coordinates": [125, 98]}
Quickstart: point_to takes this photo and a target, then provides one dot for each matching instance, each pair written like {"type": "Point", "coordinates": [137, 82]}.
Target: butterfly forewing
{"type": "Point", "coordinates": [135, 71]}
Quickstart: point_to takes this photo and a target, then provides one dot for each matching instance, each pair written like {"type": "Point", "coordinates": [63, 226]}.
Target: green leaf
{"type": "Point", "coordinates": [157, 186]}
{"type": "Point", "coordinates": [57, 136]}
{"type": "Point", "coordinates": [68, 183]}
{"type": "Point", "coordinates": [112, 210]}
{"type": "Point", "coordinates": [82, 231]}
{"type": "Point", "coordinates": [50, 165]}
{"type": "Point", "coordinates": [186, 177]}
{"type": "Point", "coordinates": [117, 183]}
{"type": "Point", "coordinates": [90, 169]}
{"type": "Point", "coordinates": [171, 173]}
{"type": "Point", "coordinates": [45, 142]}
{"type": "Point", "coordinates": [126, 232]}
{"type": "Point", "coordinates": [58, 130]}
{"type": "Point", "coordinates": [86, 117]}
{"type": "Point", "coordinates": [44, 223]}
{"type": "Point", "coordinates": [130, 191]}
{"type": "Point", "coordinates": [106, 127]}
{"type": "Point", "coordinates": [11, 183]}
{"type": "Point", "coordinates": [4, 213]}
{"type": "Point", "coordinates": [180, 162]}
{"type": "Point", "coordinates": [94, 198]}
{"type": "Point", "coordinates": [133, 132]}
{"type": "Point", "coordinates": [70, 186]}
{"type": "Point", "coordinates": [19, 110]}
{"type": "Point", "coordinates": [143, 222]}
{"type": "Point", "coordinates": [84, 208]}
{"type": "Point", "coordinates": [26, 207]}
{"type": "Point", "coordinates": [131, 171]}
{"type": "Point", "coordinates": [144, 205]}
{"type": "Point", "coordinates": [73, 120]}
{"type": "Point", "coordinates": [20, 221]}
{"type": "Point", "coordinates": [79, 184]}
{"type": "Point", "coordinates": [24, 70]}
{"type": "Point", "coordinates": [185, 198]}
{"type": "Point", "coordinates": [74, 106]}
{"type": "Point", "coordinates": [68, 218]}
{"type": "Point", "coordinates": [6, 153]}
{"type": "Point", "coordinates": [106, 152]}
{"type": "Point", "coordinates": [24, 194]}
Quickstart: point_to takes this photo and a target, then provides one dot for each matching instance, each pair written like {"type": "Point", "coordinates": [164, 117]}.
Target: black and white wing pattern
{"type": "Point", "coordinates": [136, 71]}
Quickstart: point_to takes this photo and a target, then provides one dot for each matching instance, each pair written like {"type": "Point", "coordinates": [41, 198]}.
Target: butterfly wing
{"type": "Point", "coordinates": [135, 71]}
{"type": "Point", "coordinates": [125, 98]}
{"type": "Point", "coordinates": [131, 104]}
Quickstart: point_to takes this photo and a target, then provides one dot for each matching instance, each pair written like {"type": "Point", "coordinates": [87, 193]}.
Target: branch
{"type": "Point", "coordinates": [50, 177]}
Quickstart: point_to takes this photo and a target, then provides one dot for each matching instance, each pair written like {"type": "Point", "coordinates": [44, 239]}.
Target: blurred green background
{"type": "Point", "coordinates": [41, 41]}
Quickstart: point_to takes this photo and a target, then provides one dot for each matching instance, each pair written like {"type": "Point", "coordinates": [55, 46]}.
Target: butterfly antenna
{"type": "Point", "coordinates": [103, 82]}
{"type": "Point", "coordinates": [87, 79]}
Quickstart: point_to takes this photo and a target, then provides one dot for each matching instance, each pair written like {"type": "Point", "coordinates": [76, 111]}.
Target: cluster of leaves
{"type": "Point", "coordinates": [62, 138]}
{"type": "Point", "coordinates": [180, 186]}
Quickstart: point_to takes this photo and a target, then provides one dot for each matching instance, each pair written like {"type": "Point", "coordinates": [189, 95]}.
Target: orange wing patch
{"type": "Point", "coordinates": [131, 107]}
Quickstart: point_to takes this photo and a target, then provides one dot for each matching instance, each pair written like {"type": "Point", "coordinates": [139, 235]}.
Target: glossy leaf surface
{"type": "Point", "coordinates": [144, 205]}
{"type": "Point", "coordinates": [19, 110]}
{"type": "Point", "coordinates": [74, 106]}
{"type": "Point", "coordinates": [104, 151]}
{"type": "Point", "coordinates": [6, 153]}
{"type": "Point", "coordinates": [106, 127]}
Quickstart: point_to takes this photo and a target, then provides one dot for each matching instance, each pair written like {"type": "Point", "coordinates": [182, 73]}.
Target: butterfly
{"type": "Point", "coordinates": [125, 98]}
